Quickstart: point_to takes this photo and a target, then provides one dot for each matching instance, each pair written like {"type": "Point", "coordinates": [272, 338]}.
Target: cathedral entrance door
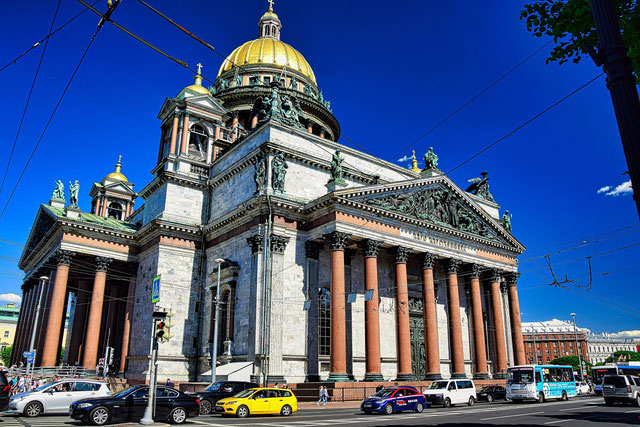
{"type": "Point", "coordinates": [416, 322]}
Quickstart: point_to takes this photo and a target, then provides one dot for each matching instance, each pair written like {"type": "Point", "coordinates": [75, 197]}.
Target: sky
{"type": "Point", "coordinates": [391, 72]}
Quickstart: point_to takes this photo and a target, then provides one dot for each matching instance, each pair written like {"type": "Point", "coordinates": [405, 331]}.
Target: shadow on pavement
{"type": "Point", "coordinates": [597, 417]}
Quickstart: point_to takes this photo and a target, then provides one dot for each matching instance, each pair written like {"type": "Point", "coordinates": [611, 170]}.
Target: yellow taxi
{"type": "Point", "coordinates": [263, 401]}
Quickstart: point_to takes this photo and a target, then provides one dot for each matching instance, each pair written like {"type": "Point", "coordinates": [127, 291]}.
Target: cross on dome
{"type": "Point", "coordinates": [270, 5]}
{"type": "Point", "coordinates": [199, 68]}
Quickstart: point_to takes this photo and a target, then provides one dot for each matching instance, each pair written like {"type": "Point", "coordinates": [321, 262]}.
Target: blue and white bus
{"type": "Point", "coordinates": [540, 382]}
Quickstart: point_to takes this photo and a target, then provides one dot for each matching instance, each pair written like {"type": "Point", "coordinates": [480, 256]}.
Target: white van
{"type": "Point", "coordinates": [451, 392]}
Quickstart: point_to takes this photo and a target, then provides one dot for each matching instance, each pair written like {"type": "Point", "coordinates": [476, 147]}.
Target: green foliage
{"type": "Point", "coordinates": [5, 355]}
{"type": "Point", "coordinates": [633, 357]}
{"type": "Point", "coordinates": [571, 25]}
{"type": "Point", "coordinates": [569, 360]}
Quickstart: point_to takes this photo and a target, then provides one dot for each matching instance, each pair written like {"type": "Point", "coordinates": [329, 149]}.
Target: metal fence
{"type": "Point", "coordinates": [61, 372]}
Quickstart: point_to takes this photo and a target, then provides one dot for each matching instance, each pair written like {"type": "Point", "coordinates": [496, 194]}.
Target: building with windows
{"type": "Point", "coordinates": [8, 321]}
{"type": "Point", "coordinates": [545, 341]}
{"type": "Point", "coordinates": [603, 345]}
{"type": "Point", "coordinates": [334, 264]}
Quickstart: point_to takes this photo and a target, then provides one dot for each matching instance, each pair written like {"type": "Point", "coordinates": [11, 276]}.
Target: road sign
{"type": "Point", "coordinates": [30, 359]}
{"type": "Point", "coordinates": [28, 354]}
{"type": "Point", "coordinates": [155, 290]}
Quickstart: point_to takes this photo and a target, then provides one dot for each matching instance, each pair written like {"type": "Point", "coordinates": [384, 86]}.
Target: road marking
{"type": "Point", "coordinates": [206, 423]}
{"type": "Point", "coordinates": [561, 421]}
{"type": "Point", "coordinates": [514, 415]}
{"type": "Point", "coordinates": [632, 411]}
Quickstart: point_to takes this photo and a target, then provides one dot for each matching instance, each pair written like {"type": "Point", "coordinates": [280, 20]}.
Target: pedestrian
{"type": "Point", "coordinates": [320, 393]}
{"type": "Point", "coordinates": [379, 387]}
{"type": "Point", "coordinates": [325, 396]}
{"type": "Point", "coordinates": [276, 385]}
{"type": "Point", "coordinates": [169, 383]}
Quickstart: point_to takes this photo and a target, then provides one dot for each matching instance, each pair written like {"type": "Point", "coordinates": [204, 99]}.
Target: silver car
{"type": "Point", "coordinates": [56, 397]}
{"type": "Point", "coordinates": [621, 388]}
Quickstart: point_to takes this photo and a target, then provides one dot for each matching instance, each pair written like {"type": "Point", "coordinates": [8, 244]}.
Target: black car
{"type": "Point", "coordinates": [5, 392]}
{"type": "Point", "coordinates": [492, 392]}
{"type": "Point", "coordinates": [130, 404]}
{"type": "Point", "coordinates": [219, 390]}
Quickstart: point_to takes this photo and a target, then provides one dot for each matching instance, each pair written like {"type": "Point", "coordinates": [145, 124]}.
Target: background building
{"type": "Point", "coordinates": [545, 341]}
{"type": "Point", "coordinates": [8, 322]}
{"type": "Point", "coordinates": [604, 345]}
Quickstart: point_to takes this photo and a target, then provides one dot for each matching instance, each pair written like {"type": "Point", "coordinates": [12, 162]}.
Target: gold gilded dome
{"type": "Point", "coordinates": [268, 50]}
{"type": "Point", "coordinates": [117, 175]}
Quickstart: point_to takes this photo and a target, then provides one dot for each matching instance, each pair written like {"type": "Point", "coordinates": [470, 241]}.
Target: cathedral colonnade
{"type": "Point", "coordinates": [488, 347]}
{"type": "Point", "coordinates": [98, 315]}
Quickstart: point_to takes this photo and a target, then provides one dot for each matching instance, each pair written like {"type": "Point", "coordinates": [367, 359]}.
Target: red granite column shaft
{"type": "Point", "coordinates": [92, 336]}
{"type": "Point", "coordinates": [50, 350]}
{"type": "Point", "coordinates": [174, 135]}
{"type": "Point", "coordinates": [371, 311]}
{"type": "Point", "coordinates": [124, 352]}
{"type": "Point", "coordinates": [403, 330]}
{"type": "Point", "coordinates": [338, 356]}
{"type": "Point", "coordinates": [498, 320]}
{"type": "Point", "coordinates": [457, 354]}
{"type": "Point", "coordinates": [184, 144]}
{"type": "Point", "coordinates": [482, 370]}
{"type": "Point", "coordinates": [432, 349]}
{"type": "Point", "coordinates": [516, 322]}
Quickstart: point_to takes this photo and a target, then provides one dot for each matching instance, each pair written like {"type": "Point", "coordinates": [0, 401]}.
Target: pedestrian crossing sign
{"type": "Point", "coordinates": [155, 290]}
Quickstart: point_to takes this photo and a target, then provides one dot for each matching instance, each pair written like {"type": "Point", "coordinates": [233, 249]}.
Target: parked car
{"type": "Point", "coordinates": [582, 387]}
{"type": "Point", "coordinates": [56, 397]}
{"type": "Point", "coordinates": [621, 388]}
{"type": "Point", "coordinates": [219, 390]}
{"type": "Point", "coordinates": [263, 401]}
{"type": "Point", "coordinates": [5, 391]}
{"type": "Point", "coordinates": [129, 405]}
{"type": "Point", "coordinates": [394, 399]}
{"type": "Point", "coordinates": [451, 392]}
{"type": "Point", "coordinates": [492, 392]}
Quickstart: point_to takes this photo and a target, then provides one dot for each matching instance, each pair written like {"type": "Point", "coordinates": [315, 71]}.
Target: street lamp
{"type": "Point", "coordinates": [575, 334]}
{"type": "Point", "coordinates": [216, 309]}
{"type": "Point", "coordinates": [42, 280]}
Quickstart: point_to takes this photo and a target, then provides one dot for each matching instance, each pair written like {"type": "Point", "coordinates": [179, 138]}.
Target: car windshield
{"type": "Point", "coordinates": [385, 392]}
{"type": "Point", "coordinates": [485, 389]}
{"type": "Point", "coordinates": [214, 387]}
{"type": "Point", "coordinates": [615, 381]}
{"type": "Point", "coordinates": [438, 385]}
{"type": "Point", "coordinates": [520, 375]}
{"type": "Point", "coordinates": [244, 393]}
{"type": "Point", "coordinates": [42, 387]}
{"type": "Point", "coordinates": [124, 392]}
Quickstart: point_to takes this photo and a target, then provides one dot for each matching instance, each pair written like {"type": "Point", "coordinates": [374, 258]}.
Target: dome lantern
{"type": "Point", "coordinates": [270, 24]}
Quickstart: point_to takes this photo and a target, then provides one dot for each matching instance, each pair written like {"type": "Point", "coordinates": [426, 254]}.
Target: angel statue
{"type": "Point", "coordinates": [480, 187]}
{"type": "Point", "coordinates": [506, 221]}
{"type": "Point", "coordinates": [73, 194]}
{"type": "Point", "coordinates": [58, 190]}
{"type": "Point", "coordinates": [336, 166]}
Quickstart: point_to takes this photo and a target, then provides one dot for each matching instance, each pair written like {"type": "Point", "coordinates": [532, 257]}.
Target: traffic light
{"type": "Point", "coordinates": [160, 329]}
{"type": "Point", "coordinates": [168, 324]}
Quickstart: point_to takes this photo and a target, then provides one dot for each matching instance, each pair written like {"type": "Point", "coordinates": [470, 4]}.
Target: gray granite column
{"type": "Point", "coordinates": [277, 309]}
{"type": "Point", "coordinates": [312, 250]}
{"type": "Point", "coordinates": [254, 350]}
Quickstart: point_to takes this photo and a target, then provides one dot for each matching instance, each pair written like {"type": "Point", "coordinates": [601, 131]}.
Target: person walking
{"type": "Point", "coordinates": [169, 383]}
{"type": "Point", "coordinates": [319, 402]}
{"type": "Point", "coordinates": [325, 396]}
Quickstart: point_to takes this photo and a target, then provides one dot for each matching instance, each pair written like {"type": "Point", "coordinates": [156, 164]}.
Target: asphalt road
{"type": "Point", "coordinates": [579, 411]}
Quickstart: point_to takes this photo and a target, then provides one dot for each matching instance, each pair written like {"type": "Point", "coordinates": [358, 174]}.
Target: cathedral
{"type": "Point", "coordinates": [320, 262]}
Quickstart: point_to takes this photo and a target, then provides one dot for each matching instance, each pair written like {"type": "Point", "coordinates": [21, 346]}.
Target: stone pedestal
{"type": "Point", "coordinates": [335, 184]}
{"type": "Point", "coordinates": [427, 173]}
{"type": "Point", "coordinates": [73, 212]}
{"type": "Point", "coordinates": [57, 203]}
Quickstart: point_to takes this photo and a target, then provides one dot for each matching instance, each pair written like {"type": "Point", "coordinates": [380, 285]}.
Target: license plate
{"type": "Point", "coordinates": [367, 405]}
{"type": "Point", "coordinates": [219, 408]}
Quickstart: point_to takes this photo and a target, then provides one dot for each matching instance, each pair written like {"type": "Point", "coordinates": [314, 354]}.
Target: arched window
{"type": "Point", "coordinates": [268, 30]}
{"type": "Point", "coordinates": [114, 210]}
{"type": "Point", "coordinates": [225, 333]}
{"type": "Point", "coordinates": [324, 322]}
{"type": "Point", "coordinates": [198, 141]}
{"type": "Point", "coordinates": [166, 140]}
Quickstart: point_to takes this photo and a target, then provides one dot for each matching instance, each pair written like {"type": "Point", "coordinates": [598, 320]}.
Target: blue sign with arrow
{"type": "Point", "coordinates": [155, 290]}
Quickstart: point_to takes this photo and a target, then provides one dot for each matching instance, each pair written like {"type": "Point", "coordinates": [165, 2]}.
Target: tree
{"type": "Point", "coordinates": [633, 356]}
{"type": "Point", "coordinates": [5, 355]}
{"type": "Point", "coordinates": [569, 360]}
{"type": "Point", "coordinates": [571, 25]}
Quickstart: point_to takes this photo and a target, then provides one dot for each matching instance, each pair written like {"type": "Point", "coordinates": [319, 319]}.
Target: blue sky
{"type": "Point", "coordinates": [391, 73]}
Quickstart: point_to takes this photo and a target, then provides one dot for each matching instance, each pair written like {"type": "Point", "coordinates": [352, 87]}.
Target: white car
{"type": "Point", "coordinates": [582, 387]}
{"type": "Point", "coordinates": [56, 397]}
{"type": "Point", "coordinates": [451, 392]}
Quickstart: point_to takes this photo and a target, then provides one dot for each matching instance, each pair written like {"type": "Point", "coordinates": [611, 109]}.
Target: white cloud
{"type": "Point", "coordinates": [10, 298]}
{"type": "Point", "coordinates": [621, 189]}
{"type": "Point", "coordinates": [626, 334]}
{"type": "Point", "coordinates": [405, 159]}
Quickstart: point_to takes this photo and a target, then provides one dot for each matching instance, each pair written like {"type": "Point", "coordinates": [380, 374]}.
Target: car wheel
{"type": "Point", "coordinates": [205, 407]}
{"type": "Point", "coordinates": [419, 407]}
{"type": "Point", "coordinates": [472, 401]}
{"type": "Point", "coordinates": [489, 398]}
{"type": "Point", "coordinates": [99, 416]}
{"type": "Point", "coordinates": [637, 401]}
{"type": "Point", "coordinates": [286, 411]}
{"type": "Point", "coordinates": [541, 397]}
{"type": "Point", "coordinates": [608, 402]}
{"type": "Point", "coordinates": [33, 409]}
{"type": "Point", "coordinates": [447, 403]}
{"type": "Point", "coordinates": [564, 395]}
{"type": "Point", "coordinates": [178, 415]}
{"type": "Point", "coordinates": [242, 411]}
{"type": "Point", "coordinates": [388, 409]}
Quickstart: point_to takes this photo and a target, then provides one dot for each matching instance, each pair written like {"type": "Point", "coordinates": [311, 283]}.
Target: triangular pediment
{"type": "Point", "coordinates": [119, 187]}
{"type": "Point", "coordinates": [41, 226]}
{"type": "Point", "coordinates": [207, 102]}
{"type": "Point", "coordinates": [434, 201]}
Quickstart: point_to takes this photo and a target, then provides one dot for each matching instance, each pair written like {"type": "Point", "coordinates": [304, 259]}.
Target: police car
{"type": "Point", "coordinates": [394, 399]}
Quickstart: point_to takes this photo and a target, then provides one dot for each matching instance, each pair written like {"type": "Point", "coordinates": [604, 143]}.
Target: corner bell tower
{"type": "Point", "coordinates": [113, 197]}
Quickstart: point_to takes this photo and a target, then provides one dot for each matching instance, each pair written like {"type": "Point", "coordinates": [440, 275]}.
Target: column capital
{"type": "Point", "coordinates": [278, 243]}
{"type": "Point", "coordinates": [512, 279]}
{"type": "Point", "coordinates": [496, 275]}
{"type": "Point", "coordinates": [401, 254]}
{"type": "Point", "coordinates": [337, 240]}
{"type": "Point", "coordinates": [64, 257]}
{"type": "Point", "coordinates": [475, 271]}
{"type": "Point", "coordinates": [312, 249]}
{"type": "Point", "coordinates": [452, 265]}
{"type": "Point", "coordinates": [428, 261]}
{"type": "Point", "coordinates": [370, 248]}
{"type": "Point", "coordinates": [102, 263]}
{"type": "Point", "coordinates": [255, 242]}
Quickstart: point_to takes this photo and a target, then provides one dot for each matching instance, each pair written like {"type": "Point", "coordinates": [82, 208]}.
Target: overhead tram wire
{"type": "Point", "coordinates": [51, 33]}
{"type": "Point", "coordinates": [26, 105]}
{"type": "Point", "coordinates": [55, 109]}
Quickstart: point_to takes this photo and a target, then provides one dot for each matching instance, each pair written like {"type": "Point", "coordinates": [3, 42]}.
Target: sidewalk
{"type": "Point", "coordinates": [332, 405]}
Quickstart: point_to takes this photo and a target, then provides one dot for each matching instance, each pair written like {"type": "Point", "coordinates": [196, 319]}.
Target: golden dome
{"type": "Point", "coordinates": [117, 175]}
{"type": "Point", "coordinates": [268, 50]}
{"type": "Point", "coordinates": [197, 85]}
{"type": "Point", "coordinates": [270, 14]}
